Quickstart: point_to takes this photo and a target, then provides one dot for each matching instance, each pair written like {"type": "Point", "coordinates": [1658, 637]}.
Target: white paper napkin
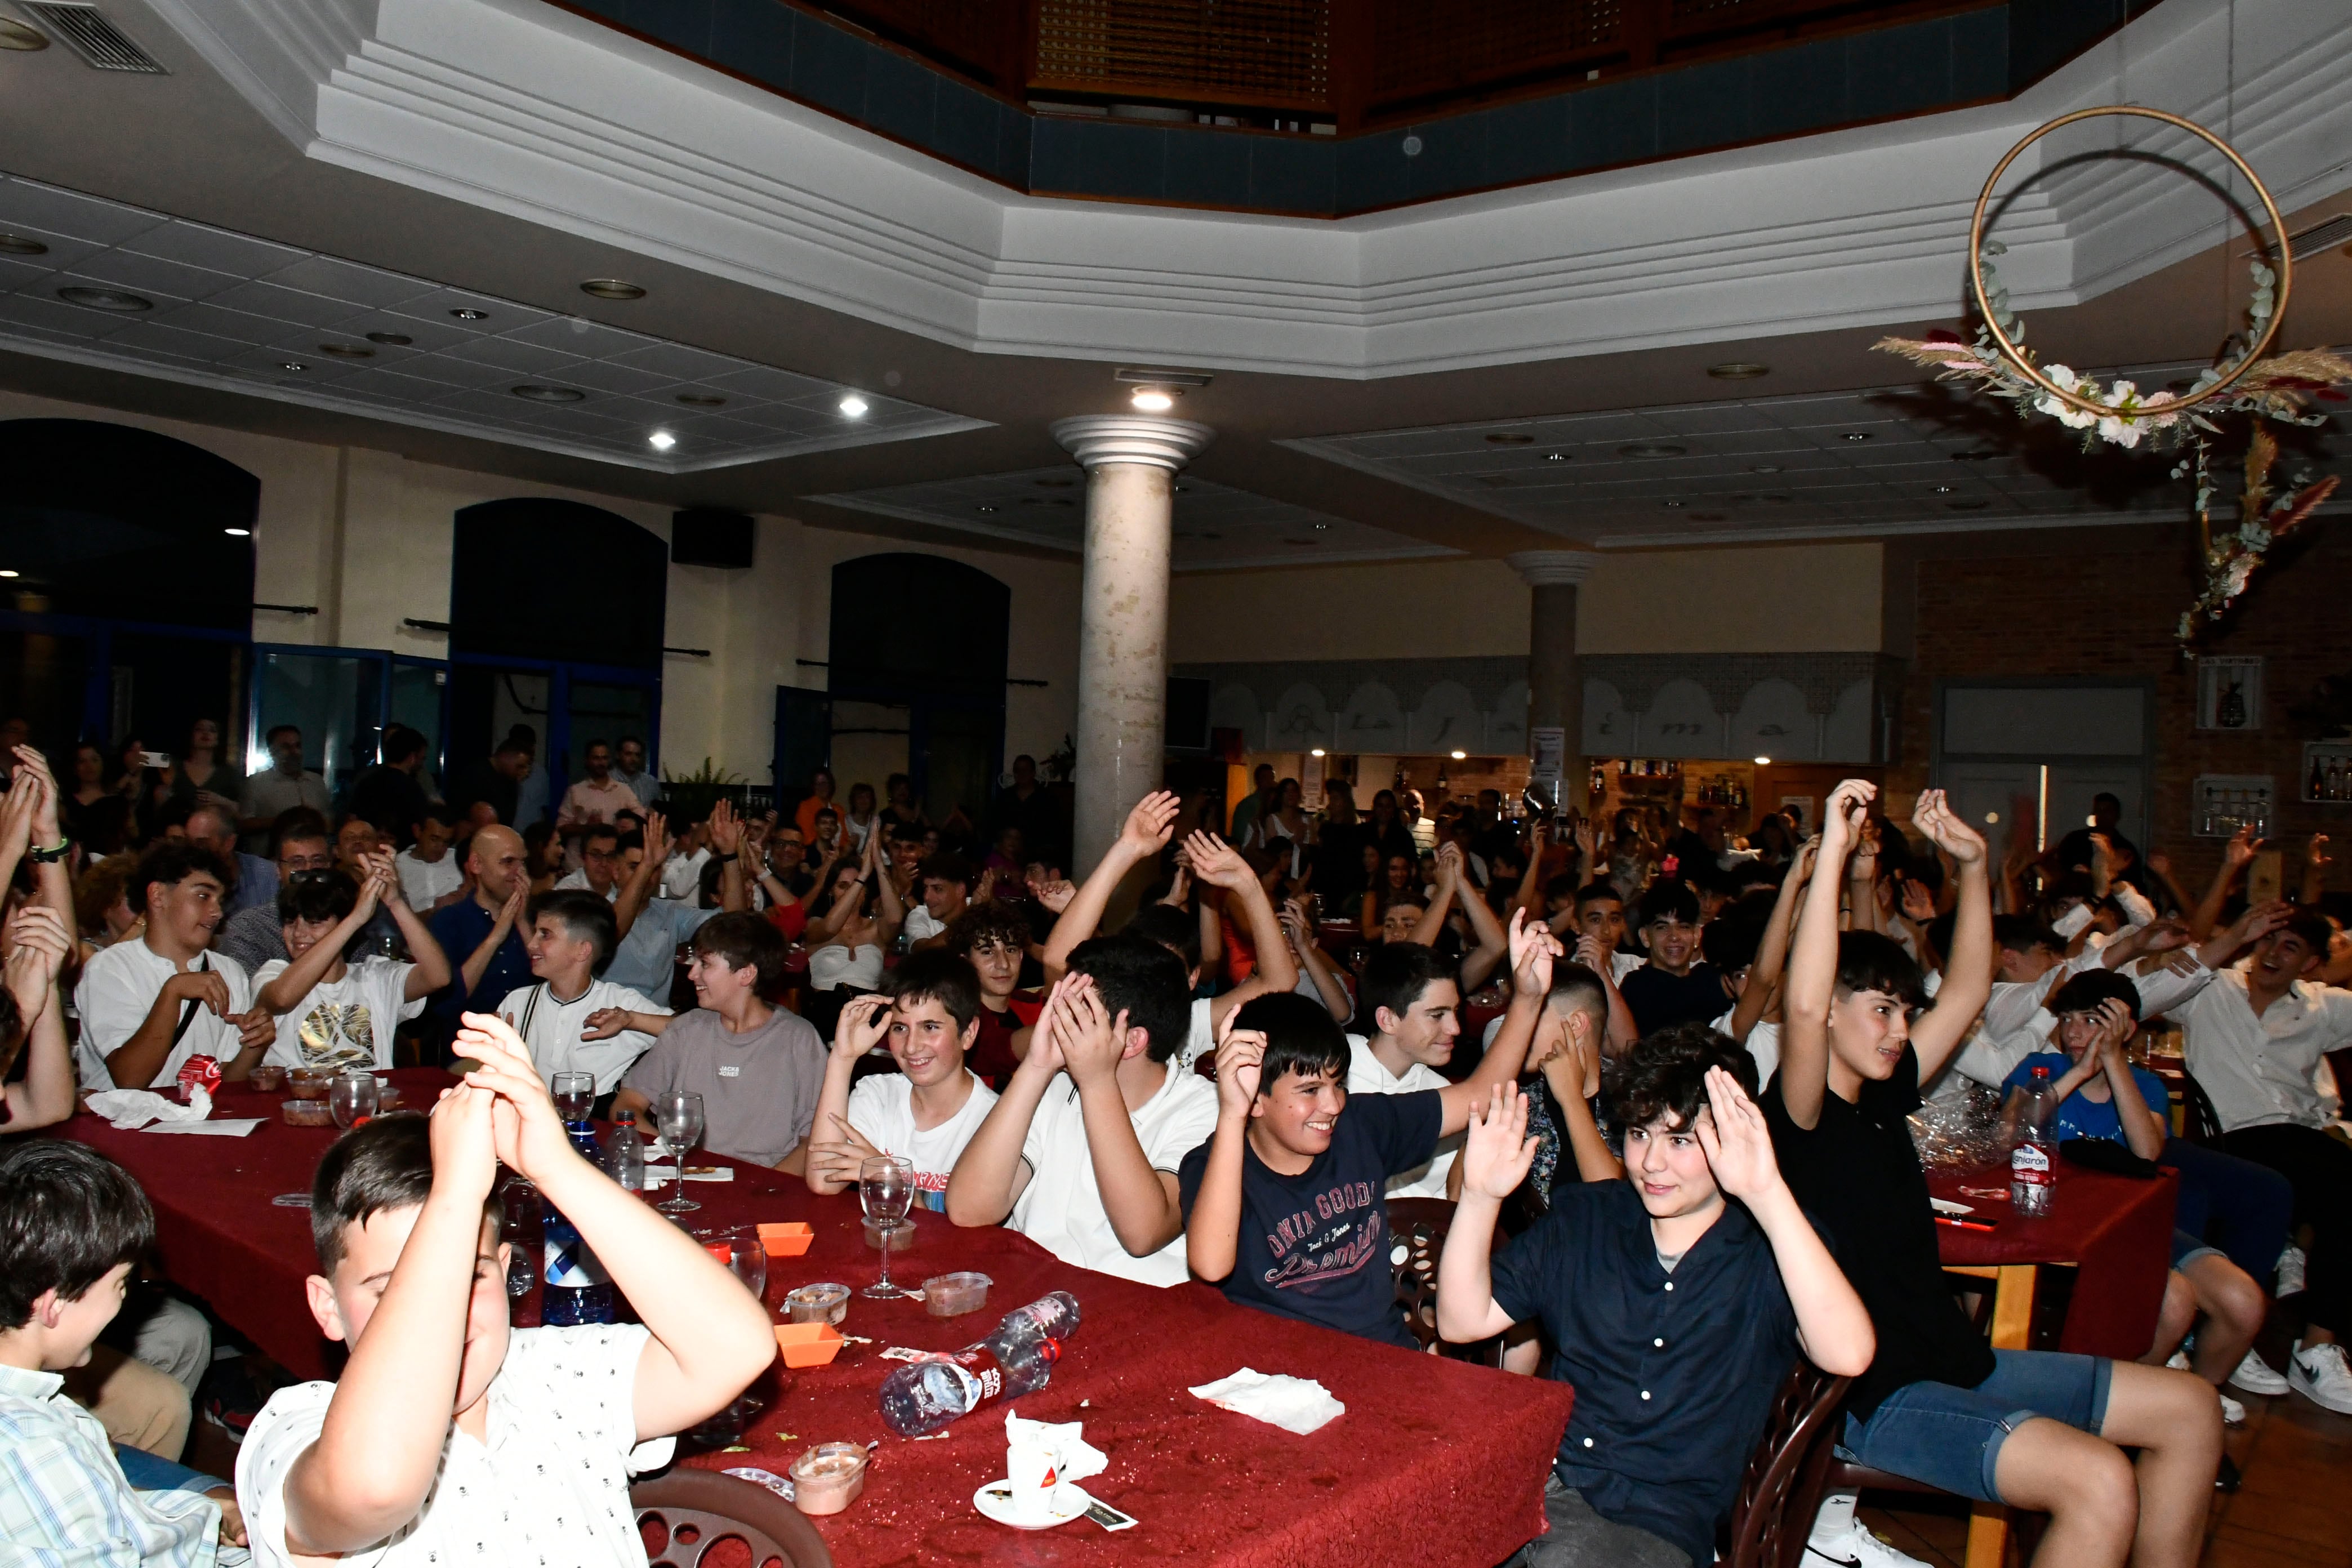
{"type": "Point", "coordinates": [227, 1127]}
{"type": "Point", "coordinates": [654, 1173]}
{"type": "Point", "coordinates": [1294, 1404]}
{"type": "Point", "coordinates": [1080, 1459]}
{"type": "Point", "coordinates": [130, 1108]}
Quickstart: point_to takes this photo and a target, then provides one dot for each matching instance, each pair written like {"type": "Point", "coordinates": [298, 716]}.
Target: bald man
{"type": "Point", "coordinates": [483, 931]}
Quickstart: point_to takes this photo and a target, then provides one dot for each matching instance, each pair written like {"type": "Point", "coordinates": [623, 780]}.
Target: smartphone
{"type": "Point", "coordinates": [154, 759]}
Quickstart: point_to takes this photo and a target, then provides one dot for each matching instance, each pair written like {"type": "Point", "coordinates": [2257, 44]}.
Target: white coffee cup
{"type": "Point", "coordinates": [1033, 1469]}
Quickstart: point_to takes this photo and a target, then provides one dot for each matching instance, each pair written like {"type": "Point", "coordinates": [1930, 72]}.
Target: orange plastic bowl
{"type": "Point", "coordinates": [789, 1239]}
{"type": "Point", "coordinates": [808, 1344]}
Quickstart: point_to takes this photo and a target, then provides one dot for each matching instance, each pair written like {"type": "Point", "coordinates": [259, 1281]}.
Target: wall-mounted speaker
{"type": "Point", "coordinates": [703, 536]}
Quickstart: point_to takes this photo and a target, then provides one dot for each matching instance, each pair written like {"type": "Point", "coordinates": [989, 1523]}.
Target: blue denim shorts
{"type": "Point", "coordinates": [1950, 1438]}
{"type": "Point", "coordinates": [2186, 1250]}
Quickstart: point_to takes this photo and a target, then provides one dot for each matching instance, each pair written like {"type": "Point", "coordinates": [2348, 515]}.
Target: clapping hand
{"type": "Point", "coordinates": [529, 1135]}
{"type": "Point", "coordinates": [1449, 865]}
{"type": "Point", "coordinates": [33, 768]}
{"type": "Point", "coordinates": [1241, 1055]}
{"type": "Point", "coordinates": [1934, 817]}
{"type": "Point", "coordinates": [38, 944]}
{"type": "Point", "coordinates": [1046, 1053]}
{"type": "Point", "coordinates": [1533, 948]}
{"type": "Point", "coordinates": [465, 1148]}
{"type": "Point", "coordinates": [838, 1158]}
{"type": "Point", "coordinates": [1848, 807]}
{"type": "Point", "coordinates": [864, 1024]}
{"type": "Point", "coordinates": [1737, 1144]}
{"type": "Point", "coordinates": [1497, 1151]}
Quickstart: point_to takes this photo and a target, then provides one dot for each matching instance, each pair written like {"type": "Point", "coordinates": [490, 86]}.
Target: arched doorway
{"type": "Point", "coordinates": [917, 666]}
{"type": "Point", "coordinates": [556, 613]}
{"type": "Point", "coordinates": [127, 606]}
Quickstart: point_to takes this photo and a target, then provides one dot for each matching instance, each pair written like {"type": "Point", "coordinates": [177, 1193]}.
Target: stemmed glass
{"type": "Point", "coordinates": [351, 1097]}
{"type": "Point", "coordinates": [575, 1096]}
{"type": "Point", "coordinates": [679, 1117]}
{"type": "Point", "coordinates": [747, 1259]}
{"type": "Point", "coordinates": [885, 1186]}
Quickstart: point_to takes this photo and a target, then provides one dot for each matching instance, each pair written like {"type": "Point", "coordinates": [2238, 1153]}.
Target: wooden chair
{"type": "Point", "coordinates": [1782, 1487]}
{"type": "Point", "coordinates": [692, 1511]}
{"type": "Point", "coordinates": [1417, 1228]}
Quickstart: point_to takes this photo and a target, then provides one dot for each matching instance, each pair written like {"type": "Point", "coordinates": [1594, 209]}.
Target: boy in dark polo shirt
{"type": "Point", "coordinates": [1286, 1206]}
{"type": "Point", "coordinates": [1676, 1313]}
{"type": "Point", "coordinates": [2032, 1429]}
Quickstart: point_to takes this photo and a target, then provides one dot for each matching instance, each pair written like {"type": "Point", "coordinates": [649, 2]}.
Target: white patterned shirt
{"type": "Point", "coordinates": [549, 1486]}
{"type": "Point", "coordinates": [63, 1498]}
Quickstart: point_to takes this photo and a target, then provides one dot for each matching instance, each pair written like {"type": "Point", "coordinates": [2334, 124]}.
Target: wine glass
{"type": "Point", "coordinates": [885, 1186]}
{"type": "Point", "coordinates": [747, 1259]}
{"type": "Point", "coordinates": [679, 1116]}
{"type": "Point", "coordinates": [351, 1097]}
{"type": "Point", "coordinates": [575, 1096]}
{"type": "Point", "coordinates": [520, 1200]}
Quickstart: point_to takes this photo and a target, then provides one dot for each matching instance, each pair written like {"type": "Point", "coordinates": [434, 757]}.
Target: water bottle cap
{"type": "Point", "coordinates": [2041, 1072]}
{"type": "Point", "coordinates": [1049, 1349]}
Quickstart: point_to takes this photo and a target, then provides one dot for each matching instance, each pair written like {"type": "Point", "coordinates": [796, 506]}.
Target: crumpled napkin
{"type": "Point", "coordinates": [1080, 1459]}
{"type": "Point", "coordinates": [133, 1108]}
{"type": "Point", "coordinates": [1294, 1404]}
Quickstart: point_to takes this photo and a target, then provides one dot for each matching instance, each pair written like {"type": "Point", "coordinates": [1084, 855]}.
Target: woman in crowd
{"type": "Point", "coordinates": [1286, 832]}
{"type": "Point", "coordinates": [858, 826]}
{"type": "Point", "coordinates": [819, 798]}
{"type": "Point", "coordinates": [1387, 826]}
{"type": "Point", "coordinates": [861, 918]}
{"type": "Point", "coordinates": [1399, 882]}
{"type": "Point", "coordinates": [201, 767]}
{"type": "Point", "coordinates": [542, 854]}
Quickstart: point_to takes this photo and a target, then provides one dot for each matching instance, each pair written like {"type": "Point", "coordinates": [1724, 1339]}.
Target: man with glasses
{"type": "Point", "coordinates": [602, 866]}
{"type": "Point", "coordinates": [277, 789]}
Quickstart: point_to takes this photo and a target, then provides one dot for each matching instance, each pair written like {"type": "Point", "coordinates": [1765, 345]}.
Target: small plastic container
{"type": "Point", "coordinates": [387, 1095]}
{"type": "Point", "coordinates": [952, 1295]}
{"type": "Point", "coordinates": [307, 1083]}
{"type": "Point", "coordinates": [828, 1478]}
{"type": "Point", "coordinates": [307, 1113]}
{"type": "Point", "coordinates": [787, 1239]}
{"type": "Point", "coordinates": [808, 1344]}
{"type": "Point", "coordinates": [821, 1303]}
{"type": "Point", "coordinates": [269, 1078]}
{"type": "Point", "coordinates": [901, 1238]}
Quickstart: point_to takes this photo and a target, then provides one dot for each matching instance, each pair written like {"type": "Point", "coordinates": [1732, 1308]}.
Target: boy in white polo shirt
{"type": "Point", "coordinates": [572, 940]}
{"type": "Point", "coordinates": [927, 1110]}
{"type": "Point", "coordinates": [1084, 1163]}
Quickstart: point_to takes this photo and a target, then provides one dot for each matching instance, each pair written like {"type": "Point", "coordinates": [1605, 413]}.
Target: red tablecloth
{"type": "Point", "coordinates": [1435, 1462]}
{"type": "Point", "coordinates": [2119, 1230]}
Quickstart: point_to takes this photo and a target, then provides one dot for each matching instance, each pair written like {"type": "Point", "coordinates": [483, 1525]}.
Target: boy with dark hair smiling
{"type": "Point", "coordinates": [575, 1020]}
{"type": "Point", "coordinates": [1675, 1312]}
{"type": "Point", "coordinates": [451, 1437]}
{"type": "Point", "coordinates": [927, 1110]}
{"type": "Point", "coordinates": [1286, 1208]}
{"type": "Point", "coordinates": [1677, 986]}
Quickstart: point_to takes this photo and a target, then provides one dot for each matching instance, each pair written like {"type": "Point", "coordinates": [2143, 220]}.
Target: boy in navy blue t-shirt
{"type": "Point", "coordinates": [1283, 1206]}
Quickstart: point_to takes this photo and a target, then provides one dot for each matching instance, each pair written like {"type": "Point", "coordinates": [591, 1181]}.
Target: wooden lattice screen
{"type": "Point", "coordinates": [1271, 53]}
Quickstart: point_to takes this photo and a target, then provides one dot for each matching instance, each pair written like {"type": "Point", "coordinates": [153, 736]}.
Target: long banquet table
{"type": "Point", "coordinates": [1437, 1462]}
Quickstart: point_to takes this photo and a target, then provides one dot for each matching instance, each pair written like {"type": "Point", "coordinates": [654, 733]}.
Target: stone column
{"type": "Point", "coordinates": [1555, 690]}
{"type": "Point", "coordinates": [1130, 462]}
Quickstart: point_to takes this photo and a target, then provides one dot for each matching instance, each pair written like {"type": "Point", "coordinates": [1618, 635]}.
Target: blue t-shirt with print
{"type": "Point", "coordinates": [2082, 1117]}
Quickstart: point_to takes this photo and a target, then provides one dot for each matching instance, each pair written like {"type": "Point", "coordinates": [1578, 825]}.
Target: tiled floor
{"type": "Point", "coordinates": [2290, 1513]}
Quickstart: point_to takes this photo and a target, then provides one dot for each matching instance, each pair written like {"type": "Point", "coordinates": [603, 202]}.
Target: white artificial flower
{"type": "Point", "coordinates": [2067, 413]}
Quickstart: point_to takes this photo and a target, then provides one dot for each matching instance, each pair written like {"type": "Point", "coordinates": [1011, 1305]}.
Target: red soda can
{"type": "Point", "coordinates": [202, 1072]}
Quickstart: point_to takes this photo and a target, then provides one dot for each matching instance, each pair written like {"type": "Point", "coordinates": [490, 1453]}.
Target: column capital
{"type": "Point", "coordinates": [1552, 568]}
{"type": "Point", "coordinates": [1098, 438]}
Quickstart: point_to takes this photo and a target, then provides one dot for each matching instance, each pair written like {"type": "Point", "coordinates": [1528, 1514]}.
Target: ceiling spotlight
{"type": "Point", "coordinates": [5, 574]}
{"type": "Point", "coordinates": [1857, 435]}
{"type": "Point", "coordinates": [701, 400]}
{"type": "Point", "coordinates": [468, 313]}
{"type": "Point", "coordinates": [1152, 400]}
{"type": "Point", "coordinates": [986, 506]}
{"type": "Point", "coordinates": [1652, 449]}
{"type": "Point", "coordinates": [1992, 817]}
{"type": "Point", "coordinates": [1763, 762]}
{"type": "Point", "coordinates": [1457, 756]}
{"type": "Point", "coordinates": [1555, 457]}
{"type": "Point", "coordinates": [1738, 370]}
{"type": "Point", "coordinates": [1941, 491]}
{"type": "Point", "coordinates": [1320, 527]}
{"type": "Point", "coordinates": [611, 288]}
{"type": "Point", "coordinates": [15, 35]}
{"type": "Point", "coordinates": [293, 365]}
{"type": "Point", "coordinates": [1316, 752]}
{"type": "Point", "coordinates": [852, 406]}
{"type": "Point", "coordinates": [661, 440]}
{"type": "Point", "coordinates": [113, 299]}
{"type": "Point", "coordinates": [1509, 438]}
{"type": "Point", "coordinates": [238, 532]}
{"type": "Point", "coordinates": [21, 245]}
{"type": "Point", "coordinates": [535, 394]}
{"type": "Point", "coordinates": [346, 351]}
{"type": "Point", "coordinates": [391, 340]}
{"type": "Point", "coordinates": [1674, 505]}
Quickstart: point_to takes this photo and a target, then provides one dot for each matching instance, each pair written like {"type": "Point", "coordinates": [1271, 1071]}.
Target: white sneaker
{"type": "Point", "coordinates": [2290, 1272]}
{"type": "Point", "coordinates": [2232, 1412]}
{"type": "Point", "coordinates": [2320, 1375]}
{"type": "Point", "coordinates": [1857, 1547]}
{"type": "Point", "coordinates": [2255, 1377]}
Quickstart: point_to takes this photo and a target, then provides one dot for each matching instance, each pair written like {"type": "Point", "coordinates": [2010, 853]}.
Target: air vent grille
{"type": "Point", "coordinates": [87, 32]}
{"type": "Point", "coordinates": [2335, 231]}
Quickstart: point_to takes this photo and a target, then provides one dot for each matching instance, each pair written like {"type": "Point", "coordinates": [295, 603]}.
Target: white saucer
{"type": "Point", "coordinates": [999, 1508]}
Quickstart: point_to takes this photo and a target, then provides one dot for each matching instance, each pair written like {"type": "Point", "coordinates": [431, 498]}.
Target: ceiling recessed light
{"type": "Point", "coordinates": [1764, 469]}
{"type": "Point", "coordinates": [1738, 370]}
{"type": "Point", "coordinates": [1555, 457]}
{"type": "Point", "coordinates": [1857, 435]}
{"type": "Point", "coordinates": [661, 440]}
{"type": "Point", "coordinates": [1763, 762]}
{"type": "Point", "coordinates": [1652, 449]}
{"type": "Point", "coordinates": [1316, 752]}
{"type": "Point", "coordinates": [1458, 756]}
{"type": "Point", "coordinates": [7, 573]}
{"type": "Point", "coordinates": [1509, 438]}
{"type": "Point", "coordinates": [852, 406]}
{"type": "Point", "coordinates": [238, 532]}
{"type": "Point", "coordinates": [612, 288]}
{"type": "Point", "coordinates": [984, 506]}
{"type": "Point", "coordinates": [468, 313]}
{"type": "Point", "coordinates": [21, 245]}
{"type": "Point", "coordinates": [391, 340]}
{"type": "Point", "coordinates": [1151, 400]}
{"type": "Point", "coordinates": [113, 299]}
{"type": "Point", "coordinates": [536, 394]}
{"type": "Point", "coordinates": [1942, 490]}
{"type": "Point", "coordinates": [15, 35]}
{"type": "Point", "coordinates": [346, 351]}
{"type": "Point", "coordinates": [293, 365]}
{"type": "Point", "coordinates": [1322, 527]}
{"type": "Point", "coordinates": [1674, 505]}
{"type": "Point", "coordinates": [701, 400]}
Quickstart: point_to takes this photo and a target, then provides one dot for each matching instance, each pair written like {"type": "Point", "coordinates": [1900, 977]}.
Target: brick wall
{"type": "Point", "coordinates": [2097, 610]}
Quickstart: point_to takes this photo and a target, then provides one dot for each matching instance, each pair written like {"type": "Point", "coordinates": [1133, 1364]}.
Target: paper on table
{"type": "Point", "coordinates": [1295, 1404]}
{"type": "Point", "coordinates": [693, 1173]}
{"type": "Point", "coordinates": [1080, 1459]}
{"type": "Point", "coordinates": [233, 1128]}
{"type": "Point", "coordinates": [130, 1108]}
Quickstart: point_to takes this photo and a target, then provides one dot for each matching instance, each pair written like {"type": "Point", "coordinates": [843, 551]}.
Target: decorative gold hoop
{"type": "Point", "coordinates": [2016, 356]}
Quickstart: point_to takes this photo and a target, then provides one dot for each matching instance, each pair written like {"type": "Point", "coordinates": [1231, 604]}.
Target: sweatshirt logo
{"type": "Point", "coordinates": [1341, 1234]}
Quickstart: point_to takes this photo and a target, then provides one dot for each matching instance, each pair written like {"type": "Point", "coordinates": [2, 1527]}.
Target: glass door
{"type": "Point", "coordinates": [335, 696]}
{"type": "Point", "coordinates": [565, 706]}
{"type": "Point", "coordinates": [419, 699]}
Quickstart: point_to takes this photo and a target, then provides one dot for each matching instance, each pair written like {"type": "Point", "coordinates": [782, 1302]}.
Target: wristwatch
{"type": "Point", "coordinates": [51, 856]}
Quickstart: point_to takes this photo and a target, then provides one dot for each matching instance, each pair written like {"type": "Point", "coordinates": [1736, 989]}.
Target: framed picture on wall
{"type": "Point", "coordinates": [2229, 693]}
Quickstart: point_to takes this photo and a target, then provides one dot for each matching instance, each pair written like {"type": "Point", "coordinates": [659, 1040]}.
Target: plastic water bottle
{"type": "Point", "coordinates": [578, 1289]}
{"type": "Point", "coordinates": [927, 1396]}
{"type": "Point", "coordinates": [2032, 1165]}
{"type": "Point", "coordinates": [623, 1158]}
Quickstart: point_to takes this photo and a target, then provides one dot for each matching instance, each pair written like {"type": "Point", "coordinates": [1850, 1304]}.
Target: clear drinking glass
{"type": "Point", "coordinates": [351, 1097]}
{"type": "Point", "coordinates": [520, 1230]}
{"type": "Point", "coordinates": [576, 1095]}
{"type": "Point", "coordinates": [679, 1117]}
{"type": "Point", "coordinates": [747, 1259]}
{"type": "Point", "coordinates": [885, 1186]}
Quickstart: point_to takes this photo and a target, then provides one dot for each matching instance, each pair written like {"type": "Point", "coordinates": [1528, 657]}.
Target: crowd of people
{"type": "Point", "coordinates": [1681, 1150]}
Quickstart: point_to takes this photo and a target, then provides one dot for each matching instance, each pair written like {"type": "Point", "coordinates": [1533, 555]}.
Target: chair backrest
{"type": "Point", "coordinates": [1789, 1461]}
{"type": "Point", "coordinates": [2203, 1124]}
{"type": "Point", "coordinates": [694, 1510]}
{"type": "Point", "coordinates": [1417, 1228]}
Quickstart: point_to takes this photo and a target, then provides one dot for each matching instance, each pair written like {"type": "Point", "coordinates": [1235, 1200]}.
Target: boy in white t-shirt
{"type": "Point", "coordinates": [572, 937]}
{"type": "Point", "coordinates": [400, 1464]}
{"type": "Point", "coordinates": [1084, 1163]}
{"type": "Point", "coordinates": [927, 1110]}
{"type": "Point", "coordinates": [332, 1014]}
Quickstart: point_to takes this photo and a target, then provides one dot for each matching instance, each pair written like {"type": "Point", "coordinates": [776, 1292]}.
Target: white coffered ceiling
{"type": "Point", "coordinates": [228, 311]}
{"type": "Point", "coordinates": [1217, 526]}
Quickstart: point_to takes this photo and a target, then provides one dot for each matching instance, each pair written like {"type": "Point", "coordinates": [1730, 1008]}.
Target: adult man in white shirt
{"type": "Point", "coordinates": [2256, 1038]}
{"type": "Point", "coordinates": [947, 893]}
{"type": "Point", "coordinates": [602, 866]}
{"type": "Point", "coordinates": [572, 940]}
{"type": "Point", "coordinates": [430, 877]}
{"type": "Point", "coordinates": [1084, 1162]}
{"type": "Point", "coordinates": [599, 797]}
{"type": "Point", "coordinates": [146, 1006]}
{"type": "Point", "coordinates": [277, 789]}
{"type": "Point", "coordinates": [926, 1112]}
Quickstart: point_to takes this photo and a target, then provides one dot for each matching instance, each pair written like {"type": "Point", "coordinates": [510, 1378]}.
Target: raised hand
{"type": "Point", "coordinates": [1092, 1039]}
{"type": "Point", "coordinates": [1149, 825]}
{"type": "Point", "coordinates": [1737, 1144]}
{"type": "Point", "coordinates": [1241, 1055]}
{"type": "Point", "coordinates": [2161, 863]}
{"type": "Point", "coordinates": [727, 829]}
{"type": "Point", "coordinates": [1215, 862]}
{"type": "Point", "coordinates": [1497, 1151]}
{"type": "Point", "coordinates": [1532, 950]}
{"type": "Point", "coordinates": [38, 944]}
{"type": "Point", "coordinates": [1180, 886]}
{"type": "Point", "coordinates": [465, 1151]}
{"type": "Point", "coordinates": [2241, 849]}
{"type": "Point", "coordinates": [2316, 857]}
{"type": "Point", "coordinates": [1449, 864]}
{"type": "Point", "coordinates": [527, 1133]}
{"type": "Point", "coordinates": [1847, 804]}
{"type": "Point", "coordinates": [1046, 1054]}
{"type": "Point", "coordinates": [33, 768]}
{"type": "Point", "coordinates": [15, 822]}
{"type": "Point", "coordinates": [657, 841]}
{"type": "Point", "coordinates": [864, 1024]}
{"type": "Point", "coordinates": [1934, 817]}
{"type": "Point", "coordinates": [1588, 841]}
{"type": "Point", "coordinates": [1809, 852]}
{"type": "Point", "coordinates": [1056, 895]}
{"type": "Point", "coordinates": [1919, 904]}
{"type": "Point", "coordinates": [2163, 936]}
